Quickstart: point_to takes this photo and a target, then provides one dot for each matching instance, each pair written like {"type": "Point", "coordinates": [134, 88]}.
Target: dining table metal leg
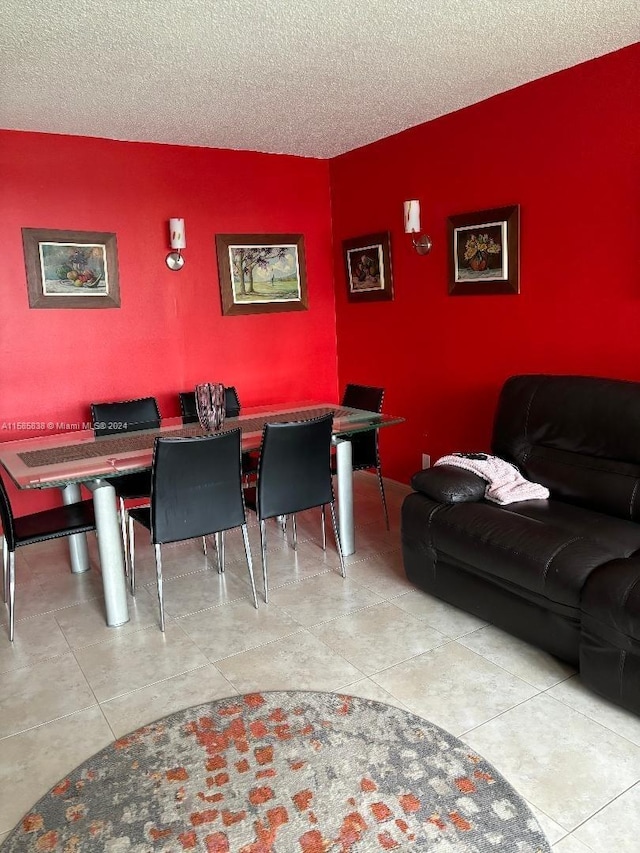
{"type": "Point", "coordinates": [110, 550]}
{"type": "Point", "coordinates": [344, 470]}
{"type": "Point", "coordinates": [78, 551]}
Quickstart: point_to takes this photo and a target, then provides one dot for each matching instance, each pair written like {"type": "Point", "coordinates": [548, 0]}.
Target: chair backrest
{"type": "Point", "coordinates": [294, 472]}
{"type": "Point", "coordinates": [6, 515]}
{"type": "Point", "coordinates": [125, 416]}
{"type": "Point", "coordinates": [189, 411]}
{"type": "Point", "coordinates": [365, 397]}
{"type": "Point", "coordinates": [196, 486]}
{"type": "Point", "coordinates": [364, 445]}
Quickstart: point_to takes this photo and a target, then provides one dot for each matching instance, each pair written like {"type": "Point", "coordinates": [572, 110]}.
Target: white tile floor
{"type": "Point", "coordinates": [70, 685]}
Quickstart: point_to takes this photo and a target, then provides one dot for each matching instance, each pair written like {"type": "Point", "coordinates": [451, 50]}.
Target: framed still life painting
{"type": "Point", "coordinates": [261, 273]}
{"type": "Point", "coordinates": [368, 267]}
{"type": "Point", "coordinates": [71, 269]}
{"type": "Point", "coordinates": [483, 252]}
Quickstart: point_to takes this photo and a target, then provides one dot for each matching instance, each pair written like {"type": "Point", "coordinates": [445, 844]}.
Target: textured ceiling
{"type": "Point", "coordinates": [311, 77]}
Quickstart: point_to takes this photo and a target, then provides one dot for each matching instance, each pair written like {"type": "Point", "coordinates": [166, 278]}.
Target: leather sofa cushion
{"type": "Point", "coordinates": [449, 484]}
{"type": "Point", "coordinates": [577, 435]}
{"type": "Point", "coordinates": [618, 536]}
{"type": "Point", "coordinates": [610, 632]}
{"type": "Point", "coordinates": [539, 546]}
{"type": "Point", "coordinates": [612, 598]}
{"type": "Point", "coordinates": [592, 417]}
{"type": "Point", "coordinates": [605, 485]}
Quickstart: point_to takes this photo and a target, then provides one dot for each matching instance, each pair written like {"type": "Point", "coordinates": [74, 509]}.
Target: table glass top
{"type": "Point", "coordinates": [78, 456]}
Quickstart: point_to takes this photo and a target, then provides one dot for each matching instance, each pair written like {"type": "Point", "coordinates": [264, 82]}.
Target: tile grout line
{"type": "Point", "coordinates": [49, 722]}
{"type": "Point", "coordinates": [586, 716]}
{"type": "Point", "coordinates": [601, 809]}
{"type": "Point", "coordinates": [159, 681]}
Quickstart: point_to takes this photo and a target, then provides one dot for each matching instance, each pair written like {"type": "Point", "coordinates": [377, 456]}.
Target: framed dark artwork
{"type": "Point", "coordinates": [484, 252]}
{"type": "Point", "coordinates": [71, 269]}
{"type": "Point", "coordinates": [261, 273]}
{"type": "Point", "coordinates": [368, 266]}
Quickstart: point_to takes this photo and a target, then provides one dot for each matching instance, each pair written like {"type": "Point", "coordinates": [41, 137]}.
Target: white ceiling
{"type": "Point", "coordinates": [310, 77]}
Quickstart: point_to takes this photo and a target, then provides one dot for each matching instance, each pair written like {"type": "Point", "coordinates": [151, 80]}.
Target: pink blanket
{"type": "Point", "coordinates": [505, 484]}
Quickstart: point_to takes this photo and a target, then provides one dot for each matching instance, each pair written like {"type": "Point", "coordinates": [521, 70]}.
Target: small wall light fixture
{"type": "Point", "coordinates": [177, 241]}
{"type": "Point", "coordinates": [422, 244]}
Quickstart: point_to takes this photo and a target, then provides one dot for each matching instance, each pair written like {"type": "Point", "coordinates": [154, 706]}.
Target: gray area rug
{"type": "Point", "coordinates": [283, 772]}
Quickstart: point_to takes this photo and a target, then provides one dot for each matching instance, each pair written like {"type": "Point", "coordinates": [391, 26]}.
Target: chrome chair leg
{"type": "Point", "coordinates": [382, 495]}
{"type": "Point", "coordinates": [124, 516]}
{"type": "Point", "coordinates": [219, 540]}
{"type": "Point", "coordinates": [263, 548]}
{"type": "Point", "coordinates": [343, 571]}
{"type": "Point", "coordinates": [204, 545]}
{"type": "Point", "coordinates": [324, 527]}
{"type": "Point", "coordinates": [159, 584]}
{"type": "Point", "coordinates": [5, 571]}
{"type": "Point", "coordinates": [132, 558]}
{"type": "Point", "coordinates": [12, 592]}
{"type": "Point", "coordinates": [295, 532]}
{"type": "Point", "coordinates": [216, 543]}
{"type": "Point", "coordinates": [247, 551]}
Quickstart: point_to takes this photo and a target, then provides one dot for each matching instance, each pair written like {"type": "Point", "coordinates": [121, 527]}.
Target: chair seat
{"type": "Point", "coordinates": [141, 514]}
{"type": "Point", "coordinates": [35, 527]}
{"type": "Point", "coordinates": [364, 451]}
{"type": "Point", "coordinates": [291, 508]}
{"type": "Point", "coordinates": [129, 486]}
{"type": "Point", "coordinates": [354, 466]}
{"type": "Point", "coordinates": [250, 459]}
{"type": "Point", "coordinates": [55, 523]}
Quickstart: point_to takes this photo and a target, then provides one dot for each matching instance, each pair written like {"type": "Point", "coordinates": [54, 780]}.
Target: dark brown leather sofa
{"type": "Point", "coordinates": [564, 573]}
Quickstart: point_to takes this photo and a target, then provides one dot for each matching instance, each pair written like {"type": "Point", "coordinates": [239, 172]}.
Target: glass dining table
{"type": "Point", "coordinates": [75, 458]}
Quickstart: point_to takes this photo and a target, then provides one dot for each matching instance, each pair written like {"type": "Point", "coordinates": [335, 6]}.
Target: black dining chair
{"type": "Point", "coordinates": [294, 474]}
{"type": "Point", "coordinates": [189, 411]}
{"type": "Point", "coordinates": [36, 527]}
{"type": "Point", "coordinates": [365, 450]}
{"type": "Point", "coordinates": [123, 417]}
{"type": "Point", "coordinates": [196, 490]}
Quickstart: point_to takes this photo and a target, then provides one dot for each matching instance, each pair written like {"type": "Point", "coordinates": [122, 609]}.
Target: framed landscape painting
{"type": "Point", "coordinates": [261, 273]}
{"type": "Point", "coordinates": [368, 267]}
{"type": "Point", "coordinates": [71, 269]}
{"type": "Point", "coordinates": [483, 252]}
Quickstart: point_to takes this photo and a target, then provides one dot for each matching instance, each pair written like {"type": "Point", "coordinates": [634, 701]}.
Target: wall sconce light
{"type": "Point", "coordinates": [422, 244]}
{"type": "Point", "coordinates": [177, 240]}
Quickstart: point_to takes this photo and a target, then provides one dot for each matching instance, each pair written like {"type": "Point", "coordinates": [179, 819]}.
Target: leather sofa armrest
{"type": "Point", "coordinates": [448, 484]}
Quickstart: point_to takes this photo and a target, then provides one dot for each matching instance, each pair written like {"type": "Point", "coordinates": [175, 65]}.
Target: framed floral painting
{"type": "Point", "coordinates": [71, 269]}
{"type": "Point", "coordinates": [483, 252]}
{"type": "Point", "coordinates": [368, 268]}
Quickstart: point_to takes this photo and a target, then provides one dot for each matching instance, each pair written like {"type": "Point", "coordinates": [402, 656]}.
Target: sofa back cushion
{"type": "Point", "coordinates": [577, 435]}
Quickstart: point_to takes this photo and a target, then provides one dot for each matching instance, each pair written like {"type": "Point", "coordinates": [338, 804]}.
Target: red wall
{"type": "Point", "coordinates": [169, 333]}
{"type": "Point", "coordinates": [566, 148]}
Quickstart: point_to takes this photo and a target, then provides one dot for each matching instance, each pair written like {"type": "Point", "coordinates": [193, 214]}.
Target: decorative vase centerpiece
{"type": "Point", "coordinates": [210, 405]}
